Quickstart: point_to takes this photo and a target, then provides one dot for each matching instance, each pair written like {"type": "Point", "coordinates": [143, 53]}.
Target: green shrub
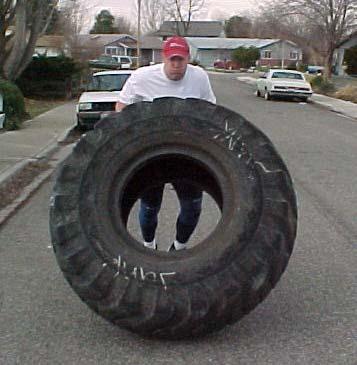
{"type": "Point", "coordinates": [322, 85]}
{"type": "Point", "coordinates": [246, 57]}
{"type": "Point", "coordinates": [14, 105]}
{"type": "Point", "coordinates": [48, 77]}
{"type": "Point", "coordinates": [54, 68]}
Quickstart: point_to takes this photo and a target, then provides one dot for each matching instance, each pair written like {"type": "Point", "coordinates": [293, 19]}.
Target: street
{"type": "Point", "coordinates": [309, 318]}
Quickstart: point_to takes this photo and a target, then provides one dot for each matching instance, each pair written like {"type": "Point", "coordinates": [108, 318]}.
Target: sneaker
{"type": "Point", "coordinates": [150, 245]}
{"type": "Point", "coordinates": [177, 246]}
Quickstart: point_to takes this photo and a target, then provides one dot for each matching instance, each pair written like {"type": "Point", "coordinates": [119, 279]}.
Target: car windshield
{"type": "Point", "coordinates": [107, 82]}
{"type": "Point", "coordinates": [124, 60]}
{"type": "Point", "coordinates": [287, 75]}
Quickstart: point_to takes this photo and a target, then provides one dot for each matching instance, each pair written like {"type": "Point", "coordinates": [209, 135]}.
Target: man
{"type": "Point", "coordinates": [173, 78]}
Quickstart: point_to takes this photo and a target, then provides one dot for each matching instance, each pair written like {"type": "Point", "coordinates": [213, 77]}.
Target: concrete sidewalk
{"type": "Point", "coordinates": [37, 139]}
{"type": "Point", "coordinates": [346, 108]}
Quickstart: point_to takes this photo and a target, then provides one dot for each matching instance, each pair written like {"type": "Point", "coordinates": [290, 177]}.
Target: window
{"type": "Point", "coordinates": [293, 55]}
{"type": "Point", "coordinates": [267, 54]}
{"type": "Point", "coordinates": [287, 75]}
{"type": "Point", "coordinates": [111, 50]}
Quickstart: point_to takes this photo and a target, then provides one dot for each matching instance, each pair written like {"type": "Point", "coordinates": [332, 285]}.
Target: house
{"type": "Point", "coordinates": [123, 45]}
{"type": "Point", "coordinates": [89, 46]}
{"type": "Point", "coordinates": [150, 48]}
{"type": "Point", "coordinates": [51, 46]}
{"type": "Point", "coordinates": [339, 53]}
{"type": "Point", "coordinates": [273, 52]}
{"type": "Point", "coordinates": [211, 29]}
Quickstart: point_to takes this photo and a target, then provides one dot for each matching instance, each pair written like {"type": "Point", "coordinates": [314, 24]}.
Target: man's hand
{"type": "Point", "coordinates": [119, 106]}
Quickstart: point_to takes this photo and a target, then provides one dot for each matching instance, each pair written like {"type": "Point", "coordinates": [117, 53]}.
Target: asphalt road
{"type": "Point", "coordinates": [309, 318]}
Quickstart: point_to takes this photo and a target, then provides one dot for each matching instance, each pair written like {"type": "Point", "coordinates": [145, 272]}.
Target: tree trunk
{"type": "Point", "coordinates": [19, 41]}
{"type": "Point", "coordinates": [30, 22]}
{"type": "Point", "coordinates": [328, 62]}
{"type": "Point", "coordinates": [2, 44]}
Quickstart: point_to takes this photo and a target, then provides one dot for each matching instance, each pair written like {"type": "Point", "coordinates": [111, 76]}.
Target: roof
{"type": "Point", "coordinates": [101, 39]}
{"type": "Point", "coordinates": [147, 42]}
{"type": "Point", "coordinates": [196, 29]}
{"type": "Point", "coordinates": [230, 43]}
{"type": "Point", "coordinates": [54, 41]}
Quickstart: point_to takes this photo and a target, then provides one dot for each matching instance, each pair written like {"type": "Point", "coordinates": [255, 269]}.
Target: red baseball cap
{"type": "Point", "coordinates": [176, 46]}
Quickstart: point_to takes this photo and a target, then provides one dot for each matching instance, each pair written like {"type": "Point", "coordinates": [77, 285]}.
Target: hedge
{"type": "Point", "coordinates": [49, 77]}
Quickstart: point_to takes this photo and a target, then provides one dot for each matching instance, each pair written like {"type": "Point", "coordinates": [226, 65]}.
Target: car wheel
{"type": "Point", "coordinates": [257, 93]}
{"type": "Point", "coordinates": [267, 95]}
{"type": "Point", "coordinates": [189, 292]}
{"type": "Point", "coordinates": [80, 126]}
{"type": "Point", "coordinates": [303, 99]}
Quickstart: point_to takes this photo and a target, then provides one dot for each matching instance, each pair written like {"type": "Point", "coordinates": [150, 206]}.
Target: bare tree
{"type": "Point", "coordinates": [329, 21]}
{"type": "Point", "coordinates": [238, 27]}
{"type": "Point", "coordinates": [183, 11]}
{"type": "Point", "coordinates": [73, 23]}
{"type": "Point", "coordinates": [153, 14]}
{"type": "Point", "coordinates": [293, 28]}
{"type": "Point", "coordinates": [218, 14]}
{"type": "Point", "coordinates": [21, 24]}
{"type": "Point", "coordinates": [123, 25]}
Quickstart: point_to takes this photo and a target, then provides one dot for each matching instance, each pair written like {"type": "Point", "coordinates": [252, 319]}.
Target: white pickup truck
{"type": "Point", "coordinates": [283, 83]}
{"type": "Point", "coordinates": [100, 97]}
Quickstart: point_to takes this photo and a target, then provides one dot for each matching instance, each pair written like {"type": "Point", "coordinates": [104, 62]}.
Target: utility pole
{"type": "Point", "coordinates": [139, 33]}
{"type": "Point", "coordinates": [283, 54]}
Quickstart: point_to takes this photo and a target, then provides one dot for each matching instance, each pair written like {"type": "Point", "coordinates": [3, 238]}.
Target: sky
{"type": "Point", "coordinates": [216, 9]}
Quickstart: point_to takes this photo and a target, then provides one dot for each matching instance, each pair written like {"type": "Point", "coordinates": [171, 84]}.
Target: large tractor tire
{"type": "Point", "coordinates": [189, 292]}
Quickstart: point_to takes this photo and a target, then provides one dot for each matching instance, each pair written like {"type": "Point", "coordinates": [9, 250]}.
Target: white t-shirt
{"type": "Point", "coordinates": [150, 82]}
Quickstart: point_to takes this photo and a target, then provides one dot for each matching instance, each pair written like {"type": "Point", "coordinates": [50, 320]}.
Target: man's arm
{"type": "Point", "coordinates": [119, 106]}
{"type": "Point", "coordinates": [207, 92]}
{"type": "Point", "coordinates": [127, 94]}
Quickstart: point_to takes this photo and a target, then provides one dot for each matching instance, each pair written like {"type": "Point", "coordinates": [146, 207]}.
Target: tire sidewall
{"type": "Point", "coordinates": [123, 152]}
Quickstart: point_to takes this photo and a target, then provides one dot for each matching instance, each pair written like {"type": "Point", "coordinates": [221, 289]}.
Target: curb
{"type": "Point", "coordinates": [7, 212]}
{"type": "Point", "coordinates": [28, 191]}
{"type": "Point", "coordinates": [51, 148]}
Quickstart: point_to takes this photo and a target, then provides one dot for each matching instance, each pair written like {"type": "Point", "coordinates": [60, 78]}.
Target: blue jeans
{"type": "Point", "coordinates": [190, 199]}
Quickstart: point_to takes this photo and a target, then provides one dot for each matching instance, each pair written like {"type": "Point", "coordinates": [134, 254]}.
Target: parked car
{"type": "Point", "coordinates": [315, 70]}
{"type": "Point", "coordinates": [125, 62]}
{"type": "Point", "coordinates": [226, 64]}
{"type": "Point", "coordinates": [105, 62]}
{"type": "Point", "coordinates": [283, 83]}
{"type": "Point", "coordinates": [100, 97]}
